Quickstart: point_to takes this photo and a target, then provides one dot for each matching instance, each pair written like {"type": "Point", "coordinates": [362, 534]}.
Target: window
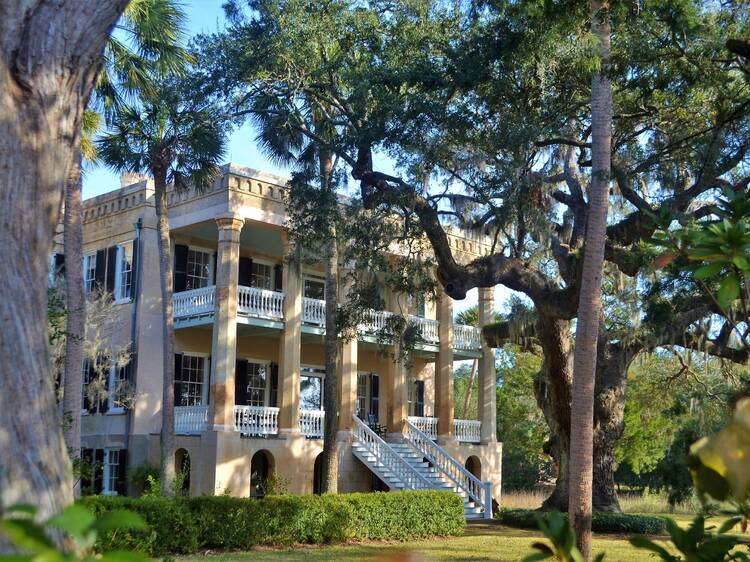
{"type": "Point", "coordinates": [256, 384]}
{"type": "Point", "coordinates": [117, 383]}
{"type": "Point", "coordinates": [111, 471]}
{"type": "Point", "coordinates": [198, 269]}
{"type": "Point", "coordinates": [261, 275]}
{"type": "Point", "coordinates": [89, 272]}
{"type": "Point", "coordinates": [420, 306]}
{"type": "Point", "coordinates": [124, 275]}
{"type": "Point", "coordinates": [190, 388]}
{"type": "Point", "coordinates": [311, 388]}
{"type": "Point", "coordinates": [315, 289]}
{"type": "Point", "coordinates": [362, 379]}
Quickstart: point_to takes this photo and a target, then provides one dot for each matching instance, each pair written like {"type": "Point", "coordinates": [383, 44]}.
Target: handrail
{"type": "Point", "coordinates": [194, 302]}
{"type": "Point", "coordinates": [402, 470]}
{"type": "Point", "coordinates": [450, 467]}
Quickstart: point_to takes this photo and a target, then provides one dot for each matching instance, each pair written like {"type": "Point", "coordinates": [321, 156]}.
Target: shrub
{"type": "Point", "coordinates": [624, 523]}
{"type": "Point", "coordinates": [186, 525]}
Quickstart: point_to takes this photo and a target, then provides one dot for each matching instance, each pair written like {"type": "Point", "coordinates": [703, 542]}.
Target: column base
{"type": "Point", "coordinates": [222, 428]}
{"type": "Point", "coordinates": [290, 433]}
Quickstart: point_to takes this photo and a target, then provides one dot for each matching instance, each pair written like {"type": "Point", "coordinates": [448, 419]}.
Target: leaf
{"type": "Point", "coordinates": [647, 544]}
{"type": "Point", "coordinates": [741, 262]}
{"type": "Point", "coordinates": [119, 519]}
{"type": "Point", "coordinates": [26, 508]}
{"type": "Point", "coordinates": [26, 535]}
{"type": "Point", "coordinates": [663, 260]}
{"type": "Point", "coordinates": [708, 270]}
{"type": "Point", "coordinates": [728, 291]}
{"type": "Point", "coordinates": [74, 519]}
{"type": "Point", "coordinates": [729, 524]}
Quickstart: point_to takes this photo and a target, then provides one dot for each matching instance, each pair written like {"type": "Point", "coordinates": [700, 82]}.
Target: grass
{"type": "Point", "coordinates": [482, 542]}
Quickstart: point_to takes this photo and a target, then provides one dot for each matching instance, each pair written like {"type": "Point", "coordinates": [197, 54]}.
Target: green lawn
{"type": "Point", "coordinates": [481, 542]}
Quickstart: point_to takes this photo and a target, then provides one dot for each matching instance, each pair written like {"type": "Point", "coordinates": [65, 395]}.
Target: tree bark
{"type": "Point", "coordinates": [50, 53]}
{"type": "Point", "coordinates": [589, 303]}
{"type": "Point", "coordinates": [75, 301]}
{"type": "Point", "coordinates": [330, 390]}
{"type": "Point", "coordinates": [165, 280]}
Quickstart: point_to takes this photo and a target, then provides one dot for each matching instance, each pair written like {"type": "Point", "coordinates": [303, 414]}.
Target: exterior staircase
{"type": "Point", "coordinates": [416, 465]}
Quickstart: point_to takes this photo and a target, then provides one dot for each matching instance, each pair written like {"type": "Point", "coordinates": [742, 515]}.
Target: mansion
{"type": "Point", "coordinates": [249, 357]}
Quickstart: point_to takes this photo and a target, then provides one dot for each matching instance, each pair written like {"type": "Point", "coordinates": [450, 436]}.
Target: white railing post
{"type": "Point", "coordinates": [256, 420]}
{"type": "Point", "coordinates": [467, 338]}
{"type": "Point", "coordinates": [311, 423]}
{"type": "Point", "coordinates": [314, 311]}
{"type": "Point", "coordinates": [425, 424]}
{"type": "Point", "coordinates": [468, 431]}
{"type": "Point", "coordinates": [253, 301]}
{"type": "Point", "coordinates": [195, 302]}
{"type": "Point", "coordinates": [488, 500]}
{"type": "Point", "coordinates": [190, 420]}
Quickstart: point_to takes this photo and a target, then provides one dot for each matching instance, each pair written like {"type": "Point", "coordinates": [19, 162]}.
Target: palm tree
{"type": "Point", "coordinates": [178, 141]}
{"type": "Point", "coordinates": [589, 307]}
{"type": "Point", "coordinates": [151, 47]}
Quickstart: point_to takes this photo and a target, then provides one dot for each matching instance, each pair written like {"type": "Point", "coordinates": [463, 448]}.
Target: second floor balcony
{"type": "Point", "coordinates": [265, 308]}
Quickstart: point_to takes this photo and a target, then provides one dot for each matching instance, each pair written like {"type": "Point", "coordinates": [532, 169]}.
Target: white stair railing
{"type": "Point", "coordinates": [314, 311]}
{"type": "Point", "coordinates": [402, 471]}
{"type": "Point", "coordinates": [479, 492]}
{"type": "Point", "coordinates": [194, 302]}
{"type": "Point", "coordinates": [426, 425]}
{"type": "Point", "coordinates": [253, 301]}
{"type": "Point", "coordinates": [190, 420]}
{"type": "Point", "coordinates": [311, 422]}
{"type": "Point", "coordinates": [256, 420]}
{"type": "Point", "coordinates": [467, 337]}
{"type": "Point", "coordinates": [468, 431]}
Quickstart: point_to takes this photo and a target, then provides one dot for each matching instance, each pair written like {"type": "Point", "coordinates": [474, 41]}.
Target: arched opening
{"type": "Point", "coordinates": [474, 466]}
{"type": "Point", "coordinates": [318, 475]}
{"type": "Point", "coordinates": [182, 470]}
{"type": "Point", "coordinates": [261, 468]}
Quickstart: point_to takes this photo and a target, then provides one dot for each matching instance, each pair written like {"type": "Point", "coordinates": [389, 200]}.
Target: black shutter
{"type": "Point", "coordinates": [277, 277]}
{"type": "Point", "coordinates": [87, 456]}
{"type": "Point", "coordinates": [59, 265]}
{"type": "Point", "coordinates": [240, 383]}
{"type": "Point", "coordinates": [134, 269]}
{"type": "Point", "coordinates": [208, 379]}
{"type": "Point", "coordinates": [111, 265]}
{"type": "Point", "coordinates": [273, 397]}
{"type": "Point", "coordinates": [86, 368]}
{"type": "Point", "coordinates": [215, 258]}
{"type": "Point", "coordinates": [104, 365]}
{"type": "Point", "coordinates": [178, 379]}
{"type": "Point", "coordinates": [245, 271]}
{"type": "Point", "coordinates": [179, 276]}
{"type": "Point", "coordinates": [100, 269]}
{"type": "Point", "coordinates": [375, 396]}
{"type": "Point", "coordinates": [121, 487]}
{"type": "Point", "coordinates": [419, 398]}
{"type": "Point", "coordinates": [98, 486]}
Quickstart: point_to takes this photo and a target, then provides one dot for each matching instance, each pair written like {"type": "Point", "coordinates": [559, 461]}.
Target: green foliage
{"type": "Point", "coordinates": [617, 523]}
{"type": "Point", "coordinates": [555, 527]}
{"type": "Point", "coordinates": [143, 477]}
{"type": "Point", "coordinates": [185, 525]}
{"type": "Point", "coordinates": [75, 527]}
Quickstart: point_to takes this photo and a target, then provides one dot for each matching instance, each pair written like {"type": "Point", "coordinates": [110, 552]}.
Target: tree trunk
{"type": "Point", "coordinates": [467, 398]}
{"type": "Point", "coordinates": [330, 390]}
{"type": "Point", "coordinates": [75, 301]}
{"type": "Point", "coordinates": [589, 307]}
{"type": "Point", "coordinates": [165, 280]}
{"type": "Point", "coordinates": [50, 53]}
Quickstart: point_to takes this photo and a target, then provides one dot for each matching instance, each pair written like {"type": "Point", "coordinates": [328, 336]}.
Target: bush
{"type": "Point", "coordinates": [186, 525]}
{"type": "Point", "coordinates": [621, 523]}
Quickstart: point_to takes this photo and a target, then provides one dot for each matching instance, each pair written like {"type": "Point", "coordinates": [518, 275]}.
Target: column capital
{"type": "Point", "coordinates": [229, 221]}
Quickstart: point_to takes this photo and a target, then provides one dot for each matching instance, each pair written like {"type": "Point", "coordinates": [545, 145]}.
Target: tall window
{"type": "Point", "coordinates": [111, 471]}
{"type": "Point", "coordinates": [315, 289]}
{"type": "Point", "coordinates": [198, 269]}
{"type": "Point", "coordinates": [190, 381]}
{"type": "Point", "coordinates": [362, 395]}
{"type": "Point", "coordinates": [421, 306]}
{"type": "Point", "coordinates": [311, 388]}
{"type": "Point", "coordinates": [117, 378]}
{"type": "Point", "coordinates": [89, 272]}
{"type": "Point", "coordinates": [260, 275]}
{"type": "Point", "coordinates": [257, 377]}
{"type": "Point", "coordinates": [124, 272]}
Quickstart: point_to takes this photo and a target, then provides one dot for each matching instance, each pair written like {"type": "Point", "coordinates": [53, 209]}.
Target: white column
{"type": "Point", "coordinates": [444, 368]}
{"type": "Point", "coordinates": [487, 375]}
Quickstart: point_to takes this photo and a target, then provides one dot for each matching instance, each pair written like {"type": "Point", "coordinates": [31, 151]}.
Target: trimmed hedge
{"type": "Point", "coordinates": [187, 525]}
{"type": "Point", "coordinates": [621, 523]}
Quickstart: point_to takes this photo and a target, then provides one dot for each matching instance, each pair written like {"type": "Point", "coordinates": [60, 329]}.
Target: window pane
{"type": "Point", "coordinates": [126, 270]}
{"type": "Point", "coordinates": [310, 393]}
{"type": "Point", "coordinates": [89, 272]}
{"type": "Point", "coordinates": [260, 275]}
{"type": "Point", "coordinates": [190, 381]}
{"type": "Point", "coordinates": [314, 289]}
{"type": "Point", "coordinates": [362, 395]}
{"type": "Point", "coordinates": [256, 384]}
{"type": "Point", "coordinates": [198, 269]}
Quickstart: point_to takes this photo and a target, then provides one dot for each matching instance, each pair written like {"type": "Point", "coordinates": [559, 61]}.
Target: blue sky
{"type": "Point", "coordinates": [207, 16]}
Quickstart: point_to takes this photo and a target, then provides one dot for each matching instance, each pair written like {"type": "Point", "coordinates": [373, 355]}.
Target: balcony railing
{"type": "Point", "coordinates": [424, 424]}
{"type": "Point", "coordinates": [374, 320]}
{"type": "Point", "coordinates": [467, 431]}
{"type": "Point", "coordinates": [314, 311]}
{"type": "Point", "coordinates": [256, 420]}
{"type": "Point", "coordinates": [195, 302]}
{"type": "Point", "coordinates": [467, 337]}
{"type": "Point", "coordinates": [190, 420]}
{"type": "Point", "coordinates": [311, 423]}
{"type": "Point", "coordinates": [262, 303]}
{"type": "Point", "coordinates": [428, 328]}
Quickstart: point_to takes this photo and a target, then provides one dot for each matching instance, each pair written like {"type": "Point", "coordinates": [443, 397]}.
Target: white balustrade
{"type": "Point", "coordinates": [405, 473]}
{"type": "Point", "coordinates": [427, 327]}
{"type": "Point", "coordinates": [190, 420]}
{"type": "Point", "coordinates": [314, 311]}
{"type": "Point", "coordinates": [478, 491]}
{"type": "Point", "coordinates": [426, 425]}
{"type": "Point", "coordinates": [262, 303]}
{"type": "Point", "coordinates": [467, 337]}
{"type": "Point", "coordinates": [256, 420]}
{"type": "Point", "coordinates": [195, 302]}
{"type": "Point", "coordinates": [468, 431]}
{"type": "Point", "coordinates": [311, 423]}
{"type": "Point", "coordinates": [374, 320]}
